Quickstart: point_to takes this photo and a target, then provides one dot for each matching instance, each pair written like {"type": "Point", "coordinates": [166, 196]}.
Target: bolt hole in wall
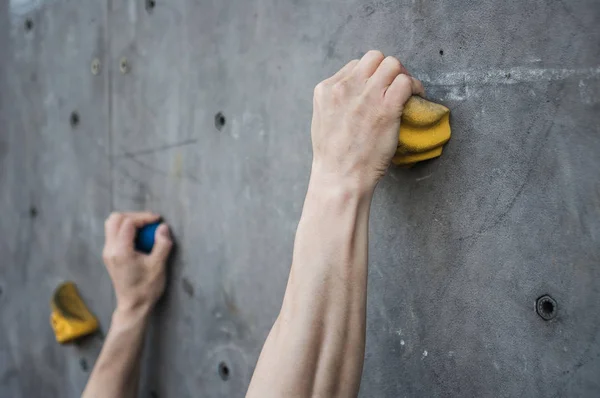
{"type": "Point", "coordinates": [28, 24]}
{"type": "Point", "coordinates": [95, 66]}
{"type": "Point", "coordinates": [84, 365]}
{"type": "Point", "coordinates": [441, 52]}
{"type": "Point", "coordinates": [546, 307]}
{"type": "Point", "coordinates": [124, 65]}
{"type": "Point", "coordinates": [74, 119]}
{"type": "Point", "coordinates": [150, 4]}
{"type": "Point", "coordinates": [33, 212]}
{"type": "Point", "coordinates": [219, 121]}
{"type": "Point", "coordinates": [223, 371]}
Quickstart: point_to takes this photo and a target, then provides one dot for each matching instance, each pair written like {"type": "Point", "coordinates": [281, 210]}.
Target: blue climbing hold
{"type": "Point", "coordinates": [144, 239]}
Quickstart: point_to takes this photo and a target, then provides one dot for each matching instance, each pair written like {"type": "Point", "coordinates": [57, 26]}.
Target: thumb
{"type": "Point", "coordinates": [162, 243]}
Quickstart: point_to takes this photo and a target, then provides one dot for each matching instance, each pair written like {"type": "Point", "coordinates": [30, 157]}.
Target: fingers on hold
{"type": "Point", "coordinates": [392, 65]}
{"type": "Point", "coordinates": [402, 88]}
{"type": "Point", "coordinates": [417, 87]}
{"type": "Point", "coordinates": [403, 69]}
{"type": "Point", "coordinates": [386, 72]}
{"type": "Point", "coordinates": [162, 231]}
{"type": "Point", "coordinates": [142, 218]}
{"type": "Point", "coordinates": [368, 64]}
{"type": "Point", "coordinates": [127, 231]}
{"type": "Point", "coordinates": [162, 242]}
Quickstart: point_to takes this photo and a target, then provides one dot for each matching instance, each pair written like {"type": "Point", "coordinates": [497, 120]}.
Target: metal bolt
{"type": "Point", "coordinates": [546, 307]}
{"type": "Point", "coordinates": [124, 65]}
{"type": "Point", "coordinates": [95, 66]}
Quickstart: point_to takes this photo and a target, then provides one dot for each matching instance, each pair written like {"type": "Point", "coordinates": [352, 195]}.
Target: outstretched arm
{"type": "Point", "coordinates": [139, 281]}
{"type": "Point", "coordinates": [316, 346]}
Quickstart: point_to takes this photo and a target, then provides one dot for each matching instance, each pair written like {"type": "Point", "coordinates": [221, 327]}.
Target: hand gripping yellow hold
{"type": "Point", "coordinates": [424, 129]}
{"type": "Point", "coordinates": [70, 318]}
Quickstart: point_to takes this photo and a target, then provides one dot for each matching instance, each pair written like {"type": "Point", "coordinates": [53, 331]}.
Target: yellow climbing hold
{"type": "Point", "coordinates": [70, 318]}
{"type": "Point", "coordinates": [424, 129]}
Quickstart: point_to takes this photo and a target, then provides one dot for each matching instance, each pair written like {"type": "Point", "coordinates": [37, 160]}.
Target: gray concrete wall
{"type": "Point", "coordinates": [460, 249]}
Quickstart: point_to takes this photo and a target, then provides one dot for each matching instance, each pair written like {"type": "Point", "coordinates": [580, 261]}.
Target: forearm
{"type": "Point", "coordinates": [316, 346]}
{"type": "Point", "coordinates": [116, 373]}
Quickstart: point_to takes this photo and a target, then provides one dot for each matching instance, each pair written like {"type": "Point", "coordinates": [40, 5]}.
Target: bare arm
{"type": "Point", "coordinates": [316, 346]}
{"type": "Point", "coordinates": [139, 281]}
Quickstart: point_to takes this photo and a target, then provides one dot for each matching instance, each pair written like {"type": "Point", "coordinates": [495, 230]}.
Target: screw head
{"type": "Point", "coordinates": [95, 66]}
{"type": "Point", "coordinates": [546, 307]}
{"type": "Point", "coordinates": [124, 65]}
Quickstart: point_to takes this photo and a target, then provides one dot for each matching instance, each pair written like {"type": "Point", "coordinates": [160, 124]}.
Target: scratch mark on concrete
{"type": "Point", "coordinates": [157, 149]}
{"type": "Point", "coordinates": [423, 178]}
{"type": "Point", "coordinates": [530, 166]}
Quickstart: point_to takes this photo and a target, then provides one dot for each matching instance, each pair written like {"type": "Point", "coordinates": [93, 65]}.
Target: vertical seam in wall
{"type": "Point", "coordinates": [109, 66]}
{"type": "Point", "coordinates": [110, 102]}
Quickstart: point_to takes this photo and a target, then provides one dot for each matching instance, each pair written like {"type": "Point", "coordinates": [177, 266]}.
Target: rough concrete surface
{"type": "Point", "coordinates": [461, 247]}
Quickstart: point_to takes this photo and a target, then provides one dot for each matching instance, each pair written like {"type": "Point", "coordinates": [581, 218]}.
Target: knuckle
{"type": "Point", "coordinates": [112, 218]}
{"type": "Point", "coordinates": [128, 222]}
{"type": "Point", "coordinates": [109, 255]}
{"type": "Point", "coordinates": [352, 64]}
{"type": "Point", "coordinates": [393, 63]}
{"type": "Point", "coordinates": [404, 81]}
{"type": "Point", "coordinates": [320, 89]}
{"type": "Point", "coordinates": [340, 88]}
{"type": "Point", "coordinates": [115, 215]}
{"type": "Point", "coordinates": [375, 53]}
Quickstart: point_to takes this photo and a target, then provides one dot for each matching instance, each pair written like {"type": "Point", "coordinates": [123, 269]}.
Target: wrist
{"type": "Point", "coordinates": [332, 196]}
{"type": "Point", "coordinates": [127, 316]}
{"type": "Point", "coordinates": [355, 186]}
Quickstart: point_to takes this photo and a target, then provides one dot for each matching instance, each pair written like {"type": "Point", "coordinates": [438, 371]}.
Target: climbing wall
{"type": "Point", "coordinates": [200, 110]}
